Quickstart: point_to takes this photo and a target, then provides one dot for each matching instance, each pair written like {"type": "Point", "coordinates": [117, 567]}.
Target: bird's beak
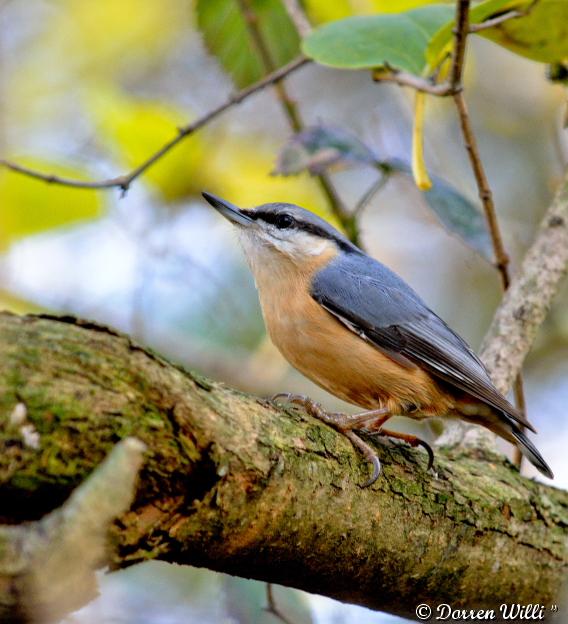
{"type": "Point", "coordinates": [228, 210]}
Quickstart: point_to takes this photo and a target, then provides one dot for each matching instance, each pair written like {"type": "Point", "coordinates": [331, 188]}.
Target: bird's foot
{"type": "Point", "coordinates": [345, 424]}
{"type": "Point", "coordinates": [413, 440]}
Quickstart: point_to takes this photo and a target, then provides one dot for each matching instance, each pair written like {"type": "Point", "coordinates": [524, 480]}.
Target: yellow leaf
{"type": "Point", "coordinates": [86, 41]}
{"type": "Point", "coordinates": [239, 170]}
{"type": "Point", "coordinates": [137, 128]}
{"type": "Point", "coordinates": [321, 11]}
{"type": "Point", "coordinates": [114, 35]}
{"type": "Point", "coordinates": [541, 36]}
{"type": "Point", "coordinates": [398, 6]}
{"type": "Point", "coordinates": [419, 170]}
{"type": "Point", "coordinates": [30, 206]}
{"type": "Point", "coordinates": [14, 303]}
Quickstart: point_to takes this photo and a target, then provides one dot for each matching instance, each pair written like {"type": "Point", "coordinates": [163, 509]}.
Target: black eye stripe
{"type": "Point", "coordinates": [279, 219]}
{"type": "Point", "coordinates": [302, 226]}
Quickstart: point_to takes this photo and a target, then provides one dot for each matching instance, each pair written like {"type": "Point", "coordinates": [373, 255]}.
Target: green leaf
{"type": "Point", "coordinates": [319, 147]}
{"type": "Point", "coordinates": [460, 216]}
{"type": "Point", "coordinates": [455, 212]}
{"type": "Point", "coordinates": [31, 206]}
{"type": "Point", "coordinates": [226, 35]}
{"type": "Point", "coordinates": [365, 42]}
{"type": "Point", "coordinates": [478, 13]}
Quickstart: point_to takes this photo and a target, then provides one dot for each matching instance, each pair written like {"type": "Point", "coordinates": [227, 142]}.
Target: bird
{"type": "Point", "coordinates": [358, 330]}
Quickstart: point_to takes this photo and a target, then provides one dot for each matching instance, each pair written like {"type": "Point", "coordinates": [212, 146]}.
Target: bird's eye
{"type": "Point", "coordinates": [284, 221]}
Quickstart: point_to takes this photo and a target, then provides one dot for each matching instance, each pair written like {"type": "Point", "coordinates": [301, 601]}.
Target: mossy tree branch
{"type": "Point", "coordinates": [235, 485]}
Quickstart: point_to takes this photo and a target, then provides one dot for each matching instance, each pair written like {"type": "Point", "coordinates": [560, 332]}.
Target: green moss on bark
{"type": "Point", "coordinates": [236, 485]}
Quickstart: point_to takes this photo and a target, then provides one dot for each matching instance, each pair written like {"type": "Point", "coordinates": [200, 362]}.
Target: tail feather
{"type": "Point", "coordinates": [529, 450]}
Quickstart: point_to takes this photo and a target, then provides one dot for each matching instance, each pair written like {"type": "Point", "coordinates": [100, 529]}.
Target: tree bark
{"type": "Point", "coordinates": [529, 298]}
{"type": "Point", "coordinates": [233, 484]}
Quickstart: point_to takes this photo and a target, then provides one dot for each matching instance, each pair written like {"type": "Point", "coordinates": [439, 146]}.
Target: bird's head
{"type": "Point", "coordinates": [273, 233]}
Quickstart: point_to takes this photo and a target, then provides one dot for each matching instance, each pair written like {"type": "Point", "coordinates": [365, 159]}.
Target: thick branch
{"type": "Point", "coordinates": [236, 485]}
{"type": "Point", "coordinates": [47, 567]}
{"type": "Point", "coordinates": [530, 295]}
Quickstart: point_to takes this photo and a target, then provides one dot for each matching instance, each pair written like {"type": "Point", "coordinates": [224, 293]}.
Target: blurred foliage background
{"type": "Point", "coordinates": [90, 89]}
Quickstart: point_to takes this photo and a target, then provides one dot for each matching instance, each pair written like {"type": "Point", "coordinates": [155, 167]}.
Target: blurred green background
{"type": "Point", "coordinates": [91, 88]}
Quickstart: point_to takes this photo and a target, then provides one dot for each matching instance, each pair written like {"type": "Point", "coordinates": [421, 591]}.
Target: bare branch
{"type": "Point", "coordinates": [504, 17]}
{"type": "Point", "coordinates": [298, 16]}
{"type": "Point", "coordinates": [496, 21]}
{"type": "Point", "coordinates": [370, 193]}
{"type": "Point", "coordinates": [405, 79]}
{"type": "Point", "coordinates": [272, 607]}
{"type": "Point", "coordinates": [501, 256]}
{"type": "Point", "coordinates": [55, 179]}
{"type": "Point", "coordinates": [484, 190]}
{"type": "Point", "coordinates": [460, 42]}
{"type": "Point", "coordinates": [529, 297]}
{"type": "Point", "coordinates": [124, 181]}
{"type": "Point", "coordinates": [47, 567]}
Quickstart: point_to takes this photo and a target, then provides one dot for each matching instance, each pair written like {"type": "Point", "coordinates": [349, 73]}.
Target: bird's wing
{"type": "Point", "coordinates": [376, 304]}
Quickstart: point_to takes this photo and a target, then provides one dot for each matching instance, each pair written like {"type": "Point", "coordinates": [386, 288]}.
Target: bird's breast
{"type": "Point", "coordinates": [336, 358]}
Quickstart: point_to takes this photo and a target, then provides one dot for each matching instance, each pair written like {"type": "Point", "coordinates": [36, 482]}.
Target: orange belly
{"type": "Point", "coordinates": [347, 366]}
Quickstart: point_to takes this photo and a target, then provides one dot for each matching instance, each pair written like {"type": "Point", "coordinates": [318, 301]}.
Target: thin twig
{"type": "Point", "coordinates": [295, 119]}
{"type": "Point", "coordinates": [521, 404]}
{"type": "Point", "coordinates": [484, 190]}
{"type": "Point", "coordinates": [124, 181]}
{"type": "Point", "coordinates": [272, 607]}
{"type": "Point", "coordinates": [404, 79]}
{"type": "Point", "coordinates": [454, 87]}
{"type": "Point", "coordinates": [529, 297]}
{"type": "Point", "coordinates": [504, 17]}
{"type": "Point", "coordinates": [55, 179]}
{"type": "Point", "coordinates": [485, 194]}
{"type": "Point", "coordinates": [370, 193]}
{"type": "Point", "coordinates": [298, 17]}
{"type": "Point", "coordinates": [461, 30]}
{"type": "Point", "coordinates": [496, 21]}
{"type": "Point", "coordinates": [460, 41]}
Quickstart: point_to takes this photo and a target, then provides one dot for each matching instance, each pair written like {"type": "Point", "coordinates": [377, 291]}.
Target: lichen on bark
{"type": "Point", "coordinates": [234, 484]}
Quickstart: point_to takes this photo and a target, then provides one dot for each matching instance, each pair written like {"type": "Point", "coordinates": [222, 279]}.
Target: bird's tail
{"type": "Point", "coordinates": [529, 450]}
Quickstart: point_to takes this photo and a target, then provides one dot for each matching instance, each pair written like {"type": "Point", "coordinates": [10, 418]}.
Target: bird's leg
{"type": "Point", "coordinates": [345, 424]}
{"type": "Point", "coordinates": [372, 419]}
{"type": "Point", "coordinates": [409, 439]}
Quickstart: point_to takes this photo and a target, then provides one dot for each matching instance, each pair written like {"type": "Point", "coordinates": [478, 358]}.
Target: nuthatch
{"type": "Point", "coordinates": [356, 329]}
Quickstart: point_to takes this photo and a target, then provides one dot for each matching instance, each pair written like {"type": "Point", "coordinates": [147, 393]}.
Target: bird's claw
{"type": "Point", "coordinates": [369, 454]}
{"type": "Point", "coordinates": [289, 397]}
{"type": "Point", "coordinates": [338, 421]}
{"type": "Point", "coordinates": [430, 452]}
